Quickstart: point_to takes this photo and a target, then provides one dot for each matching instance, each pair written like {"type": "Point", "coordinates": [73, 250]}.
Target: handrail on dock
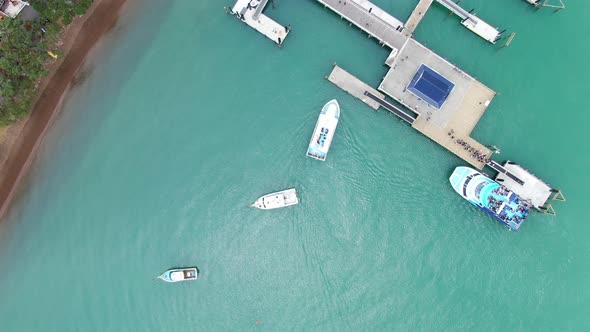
{"type": "Point", "coordinates": [367, 19]}
{"type": "Point", "coordinates": [391, 108]}
{"type": "Point", "coordinates": [458, 10]}
{"type": "Point", "coordinates": [259, 9]}
{"type": "Point", "coordinates": [500, 169]}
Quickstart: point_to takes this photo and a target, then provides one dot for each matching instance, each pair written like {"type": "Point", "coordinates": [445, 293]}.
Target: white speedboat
{"type": "Point", "coordinates": [176, 275]}
{"type": "Point", "coordinates": [324, 131]}
{"type": "Point", "coordinates": [276, 200]}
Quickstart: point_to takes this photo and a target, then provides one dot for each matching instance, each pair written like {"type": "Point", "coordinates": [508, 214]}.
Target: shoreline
{"type": "Point", "coordinates": [78, 41]}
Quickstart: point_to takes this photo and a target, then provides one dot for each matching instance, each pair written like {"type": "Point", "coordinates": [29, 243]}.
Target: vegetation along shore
{"type": "Point", "coordinates": [40, 53]}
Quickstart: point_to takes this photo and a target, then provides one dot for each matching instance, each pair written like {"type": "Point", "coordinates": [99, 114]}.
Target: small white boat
{"type": "Point", "coordinates": [276, 200]}
{"type": "Point", "coordinates": [324, 131]}
{"type": "Point", "coordinates": [176, 275]}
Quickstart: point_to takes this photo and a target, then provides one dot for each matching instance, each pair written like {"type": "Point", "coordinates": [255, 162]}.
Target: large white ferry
{"type": "Point", "coordinates": [491, 197]}
{"type": "Point", "coordinates": [324, 131]}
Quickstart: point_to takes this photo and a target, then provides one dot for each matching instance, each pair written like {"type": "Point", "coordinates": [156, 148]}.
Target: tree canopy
{"type": "Point", "coordinates": [23, 52]}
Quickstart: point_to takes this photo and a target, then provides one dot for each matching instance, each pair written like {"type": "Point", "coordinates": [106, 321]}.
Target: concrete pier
{"type": "Point", "coordinates": [472, 22]}
{"type": "Point", "coordinates": [354, 86]}
{"type": "Point", "coordinates": [447, 126]}
{"type": "Point", "coordinates": [250, 12]}
{"type": "Point", "coordinates": [416, 16]}
{"type": "Point", "coordinates": [442, 101]}
{"type": "Point", "coordinates": [406, 116]}
{"type": "Point", "coordinates": [369, 18]}
{"type": "Point", "coordinates": [459, 114]}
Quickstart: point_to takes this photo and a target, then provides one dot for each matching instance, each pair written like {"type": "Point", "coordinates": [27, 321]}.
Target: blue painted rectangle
{"type": "Point", "coordinates": [430, 86]}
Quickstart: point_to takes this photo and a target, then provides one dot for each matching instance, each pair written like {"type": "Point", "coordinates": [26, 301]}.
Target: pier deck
{"type": "Point", "coordinates": [416, 16]}
{"type": "Point", "coordinates": [354, 86]}
{"type": "Point", "coordinates": [472, 22]}
{"type": "Point", "coordinates": [532, 188]}
{"type": "Point", "coordinates": [462, 109]}
{"type": "Point", "coordinates": [406, 116]}
{"type": "Point", "coordinates": [443, 102]}
{"type": "Point", "coordinates": [250, 12]}
{"type": "Point", "coordinates": [460, 112]}
{"type": "Point", "coordinates": [371, 19]}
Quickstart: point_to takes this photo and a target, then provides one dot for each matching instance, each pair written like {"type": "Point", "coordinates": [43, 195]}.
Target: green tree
{"type": "Point", "coordinates": [23, 52]}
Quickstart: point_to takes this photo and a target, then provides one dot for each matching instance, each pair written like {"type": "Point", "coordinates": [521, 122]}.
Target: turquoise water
{"type": "Point", "coordinates": [187, 115]}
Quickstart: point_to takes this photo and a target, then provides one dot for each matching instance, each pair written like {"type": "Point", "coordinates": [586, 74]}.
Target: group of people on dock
{"type": "Point", "coordinates": [475, 153]}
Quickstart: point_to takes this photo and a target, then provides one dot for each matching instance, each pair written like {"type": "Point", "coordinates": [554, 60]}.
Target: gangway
{"type": "Point", "coordinates": [458, 10]}
{"type": "Point", "coordinates": [500, 169]}
{"type": "Point", "coordinates": [472, 22]}
{"type": "Point", "coordinates": [250, 12]}
{"type": "Point", "coordinates": [259, 9]}
{"type": "Point", "coordinates": [526, 185]}
{"type": "Point", "coordinates": [556, 4]}
{"type": "Point", "coordinates": [391, 108]}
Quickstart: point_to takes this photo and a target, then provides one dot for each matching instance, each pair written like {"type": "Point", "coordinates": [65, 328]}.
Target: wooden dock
{"type": "Point", "coordinates": [354, 86]}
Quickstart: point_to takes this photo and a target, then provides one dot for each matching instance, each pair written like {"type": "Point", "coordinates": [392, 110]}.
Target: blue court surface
{"type": "Point", "coordinates": [430, 86]}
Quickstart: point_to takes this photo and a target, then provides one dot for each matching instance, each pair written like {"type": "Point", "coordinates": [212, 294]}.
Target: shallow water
{"type": "Point", "coordinates": [187, 116]}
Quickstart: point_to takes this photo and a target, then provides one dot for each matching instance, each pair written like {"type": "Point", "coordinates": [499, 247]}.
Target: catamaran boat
{"type": "Point", "coordinates": [276, 200]}
{"type": "Point", "coordinates": [176, 275]}
{"type": "Point", "coordinates": [491, 197]}
{"type": "Point", "coordinates": [324, 131]}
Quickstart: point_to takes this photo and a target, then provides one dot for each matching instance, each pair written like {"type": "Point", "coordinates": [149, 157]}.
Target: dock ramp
{"type": "Point", "coordinates": [357, 88]}
{"type": "Point", "coordinates": [457, 10]}
{"type": "Point", "coordinates": [250, 12]}
{"type": "Point", "coordinates": [259, 9]}
{"type": "Point", "coordinates": [391, 108]}
{"type": "Point", "coordinates": [472, 22]}
{"type": "Point", "coordinates": [524, 184]}
{"type": "Point", "coordinates": [501, 170]}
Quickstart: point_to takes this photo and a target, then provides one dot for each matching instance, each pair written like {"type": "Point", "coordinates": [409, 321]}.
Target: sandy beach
{"type": "Point", "coordinates": [23, 138]}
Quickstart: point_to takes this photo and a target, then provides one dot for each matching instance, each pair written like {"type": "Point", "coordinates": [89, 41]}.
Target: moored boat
{"type": "Point", "coordinates": [321, 139]}
{"type": "Point", "coordinates": [276, 200]}
{"type": "Point", "coordinates": [491, 197]}
{"type": "Point", "coordinates": [183, 274]}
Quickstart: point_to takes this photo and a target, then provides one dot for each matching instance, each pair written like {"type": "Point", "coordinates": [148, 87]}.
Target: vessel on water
{"type": "Point", "coordinates": [324, 131]}
{"type": "Point", "coordinates": [183, 274]}
{"type": "Point", "coordinates": [491, 197]}
{"type": "Point", "coordinates": [276, 200]}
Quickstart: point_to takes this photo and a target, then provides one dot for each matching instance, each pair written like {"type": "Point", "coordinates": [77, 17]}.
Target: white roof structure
{"type": "Point", "coordinates": [177, 276]}
{"type": "Point", "coordinates": [12, 8]}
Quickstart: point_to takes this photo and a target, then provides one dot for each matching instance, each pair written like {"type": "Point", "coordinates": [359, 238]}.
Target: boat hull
{"type": "Point", "coordinates": [322, 136]}
{"type": "Point", "coordinates": [177, 275]}
{"type": "Point", "coordinates": [489, 196]}
{"type": "Point", "coordinates": [276, 200]}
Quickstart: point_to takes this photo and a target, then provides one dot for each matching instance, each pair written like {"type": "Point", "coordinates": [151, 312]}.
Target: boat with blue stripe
{"type": "Point", "coordinates": [182, 274]}
{"type": "Point", "coordinates": [324, 131]}
{"type": "Point", "coordinates": [491, 197]}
